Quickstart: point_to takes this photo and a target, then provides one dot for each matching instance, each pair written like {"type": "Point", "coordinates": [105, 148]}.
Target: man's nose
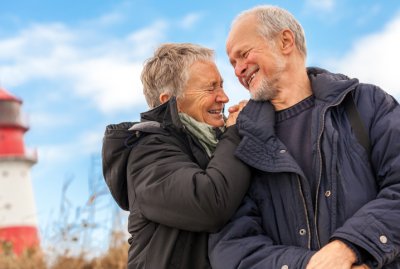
{"type": "Point", "coordinates": [240, 69]}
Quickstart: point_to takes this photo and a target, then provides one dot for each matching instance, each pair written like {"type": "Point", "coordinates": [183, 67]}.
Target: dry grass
{"type": "Point", "coordinates": [114, 258]}
{"type": "Point", "coordinates": [30, 259]}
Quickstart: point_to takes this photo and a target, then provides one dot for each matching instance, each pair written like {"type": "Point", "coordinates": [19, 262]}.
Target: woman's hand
{"type": "Point", "coordinates": [234, 112]}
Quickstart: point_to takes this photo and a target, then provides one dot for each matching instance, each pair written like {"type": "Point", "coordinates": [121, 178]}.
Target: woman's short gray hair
{"type": "Point", "coordinates": [167, 71]}
{"type": "Point", "coordinates": [274, 19]}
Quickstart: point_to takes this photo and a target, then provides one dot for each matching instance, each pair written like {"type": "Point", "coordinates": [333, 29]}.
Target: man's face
{"type": "Point", "coordinates": [204, 97]}
{"type": "Point", "coordinates": [256, 61]}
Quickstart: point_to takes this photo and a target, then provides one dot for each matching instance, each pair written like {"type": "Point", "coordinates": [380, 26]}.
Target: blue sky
{"type": "Point", "coordinates": [76, 65]}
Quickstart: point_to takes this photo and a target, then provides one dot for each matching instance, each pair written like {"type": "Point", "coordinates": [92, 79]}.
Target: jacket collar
{"type": "Point", "coordinates": [260, 147]}
{"type": "Point", "coordinates": [166, 114]}
{"type": "Point", "coordinates": [329, 87]}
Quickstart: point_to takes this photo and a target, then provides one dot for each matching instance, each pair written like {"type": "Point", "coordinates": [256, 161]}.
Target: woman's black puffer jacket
{"type": "Point", "coordinates": [175, 193]}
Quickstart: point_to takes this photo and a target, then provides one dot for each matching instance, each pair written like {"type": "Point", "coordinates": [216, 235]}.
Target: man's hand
{"type": "Point", "coordinates": [335, 255]}
{"type": "Point", "coordinates": [234, 112]}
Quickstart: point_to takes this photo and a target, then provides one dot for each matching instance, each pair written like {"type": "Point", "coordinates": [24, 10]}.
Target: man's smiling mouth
{"type": "Point", "coordinates": [249, 76]}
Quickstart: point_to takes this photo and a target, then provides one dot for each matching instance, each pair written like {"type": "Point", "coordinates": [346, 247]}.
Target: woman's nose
{"type": "Point", "coordinates": [222, 97]}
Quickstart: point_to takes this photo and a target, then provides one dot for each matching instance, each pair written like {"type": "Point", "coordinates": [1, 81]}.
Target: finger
{"type": "Point", "coordinates": [233, 109]}
{"type": "Point", "coordinates": [243, 103]}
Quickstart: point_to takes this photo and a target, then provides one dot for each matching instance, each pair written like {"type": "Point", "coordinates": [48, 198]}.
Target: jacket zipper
{"type": "Point", "coordinates": [320, 161]}
{"type": "Point", "coordinates": [305, 211]}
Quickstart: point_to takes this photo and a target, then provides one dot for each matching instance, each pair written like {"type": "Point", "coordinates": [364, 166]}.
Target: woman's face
{"type": "Point", "coordinates": [203, 96]}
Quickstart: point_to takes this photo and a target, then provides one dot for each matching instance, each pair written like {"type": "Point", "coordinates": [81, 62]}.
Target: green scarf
{"type": "Point", "coordinates": [204, 132]}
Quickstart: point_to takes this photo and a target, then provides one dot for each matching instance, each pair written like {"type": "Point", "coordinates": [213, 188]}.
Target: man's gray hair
{"type": "Point", "coordinates": [168, 70]}
{"type": "Point", "coordinates": [274, 19]}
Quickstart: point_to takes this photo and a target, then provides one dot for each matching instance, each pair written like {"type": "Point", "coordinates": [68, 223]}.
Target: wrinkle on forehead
{"type": "Point", "coordinates": [242, 27]}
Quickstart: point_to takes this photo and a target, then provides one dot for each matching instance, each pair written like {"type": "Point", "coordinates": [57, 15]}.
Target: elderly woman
{"type": "Point", "coordinates": [176, 171]}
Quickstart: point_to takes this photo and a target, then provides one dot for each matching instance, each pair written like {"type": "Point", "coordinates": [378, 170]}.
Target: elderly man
{"type": "Point", "coordinates": [319, 198]}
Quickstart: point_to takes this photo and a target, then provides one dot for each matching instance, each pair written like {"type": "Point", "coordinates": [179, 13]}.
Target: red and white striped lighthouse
{"type": "Point", "coordinates": [18, 223]}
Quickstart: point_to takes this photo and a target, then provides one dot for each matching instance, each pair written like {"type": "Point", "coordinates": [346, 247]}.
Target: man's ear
{"type": "Point", "coordinates": [164, 97]}
{"type": "Point", "coordinates": [287, 41]}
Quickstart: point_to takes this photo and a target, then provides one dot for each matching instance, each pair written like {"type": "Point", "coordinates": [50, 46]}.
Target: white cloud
{"type": "Point", "coordinates": [91, 141]}
{"type": "Point", "coordinates": [107, 73]}
{"type": "Point", "coordinates": [42, 122]}
{"type": "Point", "coordinates": [368, 14]}
{"type": "Point", "coordinates": [189, 20]}
{"type": "Point", "coordinates": [112, 84]}
{"type": "Point", "coordinates": [33, 53]}
{"type": "Point", "coordinates": [107, 20]}
{"type": "Point", "coordinates": [60, 154]}
{"type": "Point", "coordinates": [142, 42]}
{"type": "Point", "coordinates": [53, 155]}
{"type": "Point", "coordinates": [325, 5]}
{"type": "Point", "coordinates": [374, 58]}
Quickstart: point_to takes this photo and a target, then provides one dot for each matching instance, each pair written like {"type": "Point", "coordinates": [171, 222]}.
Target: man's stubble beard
{"type": "Point", "coordinates": [268, 88]}
{"type": "Point", "coordinates": [266, 91]}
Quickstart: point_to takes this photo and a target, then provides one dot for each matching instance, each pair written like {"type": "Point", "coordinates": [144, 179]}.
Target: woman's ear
{"type": "Point", "coordinates": [164, 97]}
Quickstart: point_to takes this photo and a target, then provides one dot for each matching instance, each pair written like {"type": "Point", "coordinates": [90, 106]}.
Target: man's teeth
{"type": "Point", "coordinates": [251, 78]}
{"type": "Point", "coordinates": [215, 111]}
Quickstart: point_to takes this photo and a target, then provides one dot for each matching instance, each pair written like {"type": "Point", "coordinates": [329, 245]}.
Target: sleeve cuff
{"type": "Point", "coordinates": [363, 257]}
{"type": "Point", "coordinates": [357, 250]}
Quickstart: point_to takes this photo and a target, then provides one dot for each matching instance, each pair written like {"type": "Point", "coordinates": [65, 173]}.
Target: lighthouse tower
{"type": "Point", "coordinates": [18, 223]}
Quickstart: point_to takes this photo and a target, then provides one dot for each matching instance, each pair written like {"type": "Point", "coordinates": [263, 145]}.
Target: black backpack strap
{"type": "Point", "coordinates": [356, 122]}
